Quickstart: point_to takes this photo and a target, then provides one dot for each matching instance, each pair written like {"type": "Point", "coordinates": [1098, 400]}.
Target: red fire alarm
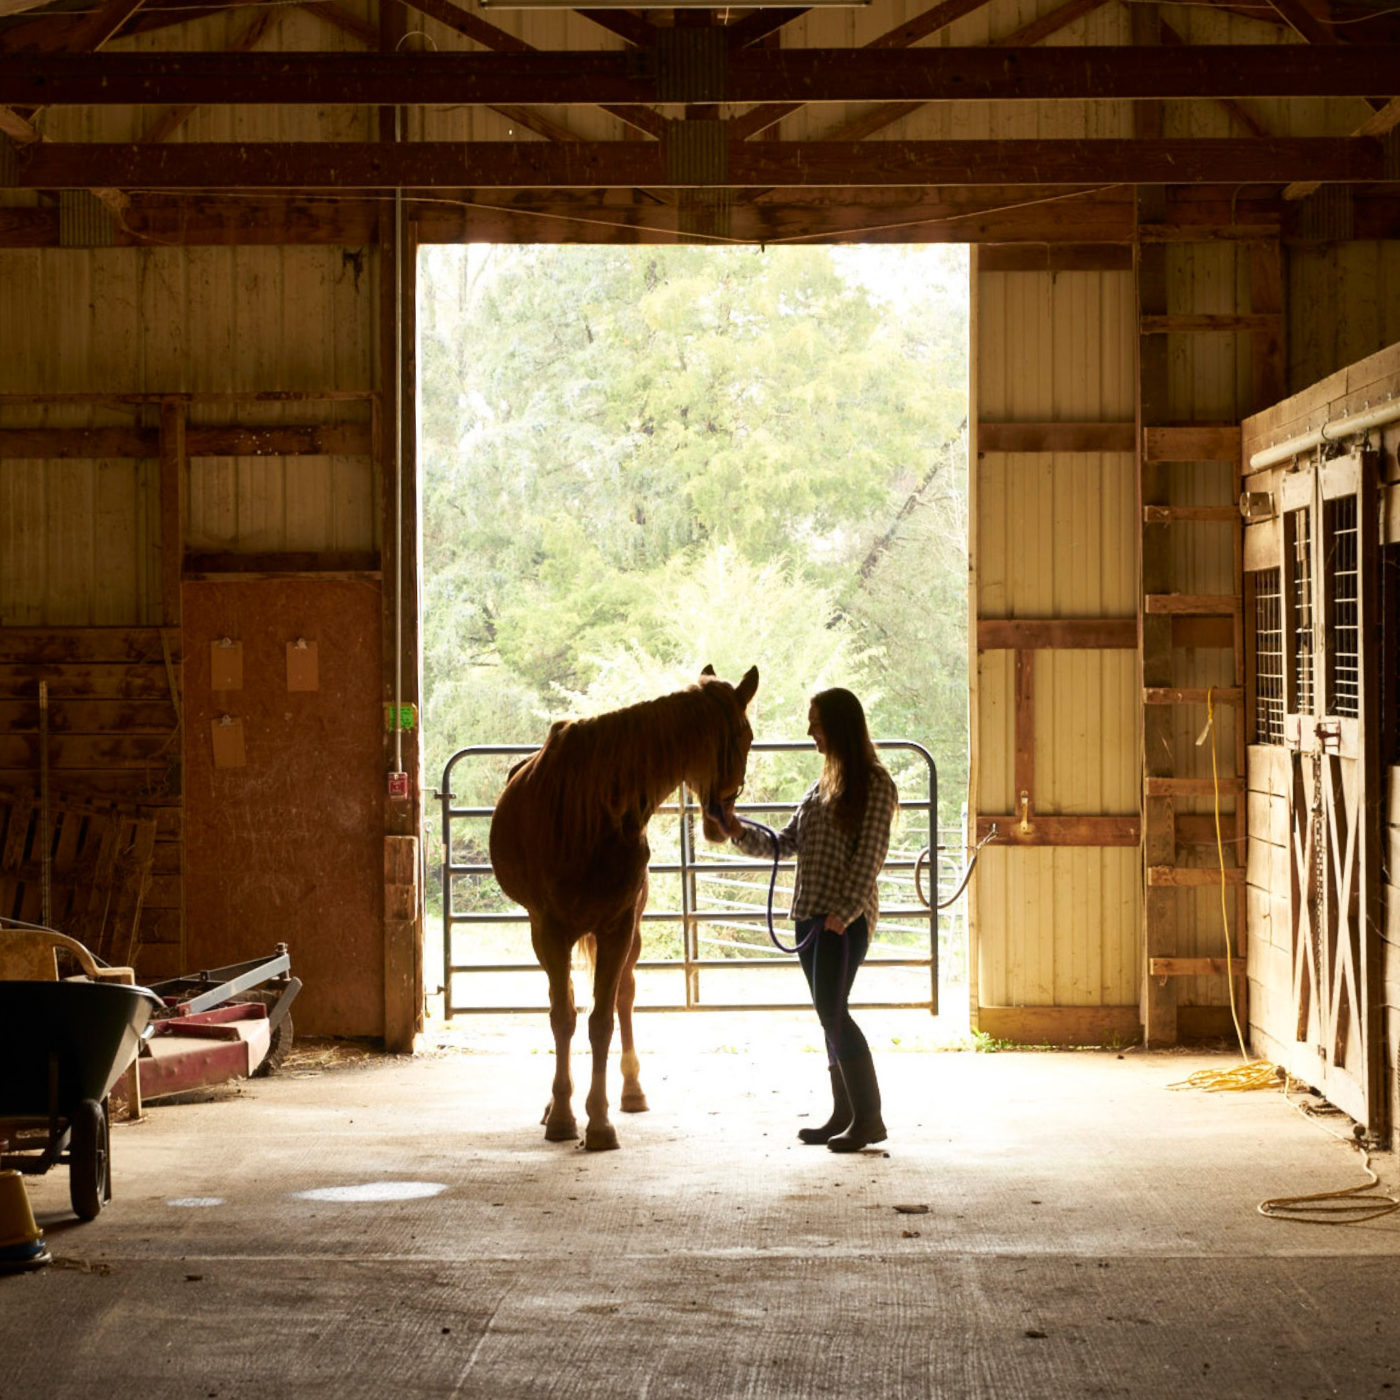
{"type": "Point", "coordinates": [398, 785]}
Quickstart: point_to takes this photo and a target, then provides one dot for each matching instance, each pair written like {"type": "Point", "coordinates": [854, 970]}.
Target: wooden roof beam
{"type": "Point", "coordinates": [1040, 28]}
{"type": "Point", "coordinates": [489, 36]}
{"type": "Point", "coordinates": [766, 164]}
{"type": "Point", "coordinates": [1002, 72]}
{"type": "Point", "coordinates": [922, 26]}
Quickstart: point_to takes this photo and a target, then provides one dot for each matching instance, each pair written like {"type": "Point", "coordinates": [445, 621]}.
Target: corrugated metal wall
{"type": "Point", "coordinates": [1054, 537]}
{"type": "Point", "coordinates": [79, 540]}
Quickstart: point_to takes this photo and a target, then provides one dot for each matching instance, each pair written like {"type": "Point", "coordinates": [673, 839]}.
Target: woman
{"type": "Point", "coordinates": [839, 833]}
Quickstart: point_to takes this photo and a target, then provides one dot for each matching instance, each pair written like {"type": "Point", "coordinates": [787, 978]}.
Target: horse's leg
{"type": "Point", "coordinates": [614, 944]}
{"type": "Point", "coordinates": [633, 1100]}
{"type": "Point", "coordinates": [554, 949]}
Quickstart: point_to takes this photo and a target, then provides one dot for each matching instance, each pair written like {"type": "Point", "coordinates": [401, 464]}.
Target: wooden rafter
{"type": "Point", "coordinates": [1387, 119]}
{"type": "Point", "coordinates": [858, 128]}
{"type": "Point", "coordinates": [1002, 72]}
{"type": "Point", "coordinates": [920, 27]}
{"type": "Point", "coordinates": [629, 164]}
{"type": "Point", "coordinates": [498, 40]}
{"type": "Point", "coordinates": [171, 120]}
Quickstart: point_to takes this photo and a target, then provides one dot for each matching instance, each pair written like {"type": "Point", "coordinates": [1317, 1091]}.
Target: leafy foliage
{"type": "Point", "coordinates": [640, 460]}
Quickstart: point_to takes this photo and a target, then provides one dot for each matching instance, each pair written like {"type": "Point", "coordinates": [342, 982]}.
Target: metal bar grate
{"type": "Point", "coordinates": [1304, 644]}
{"type": "Point", "coordinates": [1268, 657]}
{"type": "Point", "coordinates": [1344, 636]}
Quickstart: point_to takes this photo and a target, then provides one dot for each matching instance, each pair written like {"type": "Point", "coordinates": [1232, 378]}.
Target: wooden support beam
{"type": "Point", "coordinates": [1192, 442]}
{"type": "Point", "coordinates": [1188, 632]}
{"type": "Point", "coordinates": [174, 479]}
{"type": "Point", "coordinates": [1195, 967]}
{"type": "Point", "coordinates": [1378, 124]}
{"type": "Point", "coordinates": [1061, 830]}
{"type": "Point", "coordinates": [1061, 1025]}
{"type": "Point", "coordinates": [1208, 604]}
{"type": "Point", "coordinates": [1192, 787]}
{"type": "Point", "coordinates": [490, 36]}
{"type": "Point", "coordinates": [631, 164]}
{"type": "Point", "coordinates": [324, 564]}
{"type": "Point", "coordinates": [1189, 324]}
{"type": "Point", "coordinates": [328, 440]}
{"type": "Point", "coordinates": [1171, 515]}
{"type": "Point", "coordinates": [1268, 369]}
{"type": "Point", "coordinates": [1191, 877]}
{"type": "Point", "coordinates": [1055, 437]}
{"type": "Point", "coordinates": [516, 72]}
{"type": "Point", "coordinates": [1054, 257]}
{"type": "Point", "coordinates": [1198, 695]}
{"type": "Point", "coordinates": [1067, 633]}
{"type": "Point", "coordinates": [1198, 829]}
{"type": "Point", "coordinates": [1023, 769]}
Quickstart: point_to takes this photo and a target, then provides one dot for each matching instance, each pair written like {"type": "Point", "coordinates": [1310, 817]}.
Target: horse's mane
{"type": "Point", "coordinates": [603, 771]}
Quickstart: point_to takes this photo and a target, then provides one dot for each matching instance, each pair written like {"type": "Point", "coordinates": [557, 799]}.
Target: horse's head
{"type": "Point", "coordinates": [719, 789]}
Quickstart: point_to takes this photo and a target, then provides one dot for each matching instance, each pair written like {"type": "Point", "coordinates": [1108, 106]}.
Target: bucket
{"type": "Point", "coordinates": [21, 1240]}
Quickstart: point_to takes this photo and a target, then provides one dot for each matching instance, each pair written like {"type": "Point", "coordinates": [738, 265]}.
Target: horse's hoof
{"type": "Point", "coordinates": [634, 1102]}
{"type": "Point", "coordinates": [564, 1131]}
{"type": "Point", "coordinates": [601, 1139]}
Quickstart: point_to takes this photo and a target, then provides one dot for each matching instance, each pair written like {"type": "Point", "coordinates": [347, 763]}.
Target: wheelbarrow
{"type": "Point", "coordinates": [63, 1046]}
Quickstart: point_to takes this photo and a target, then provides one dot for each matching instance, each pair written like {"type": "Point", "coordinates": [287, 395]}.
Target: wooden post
{"type": "Point", "coordinates": [398, 480]}
{"type": "Point", "coordinates": [1158, 1000]}
{"type": "Point", "coordinates": [403, 962]}
{"type": "Point", "coordinates": [174, 474]}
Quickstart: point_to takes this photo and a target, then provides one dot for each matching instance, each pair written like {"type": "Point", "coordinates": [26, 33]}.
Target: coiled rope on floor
{"type": "Point", "coordinates": [1348, 1205]}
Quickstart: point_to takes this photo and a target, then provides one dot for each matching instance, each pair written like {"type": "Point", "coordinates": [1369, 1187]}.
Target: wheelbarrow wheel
{"type": "Point", "coordinates": [89, 1160]}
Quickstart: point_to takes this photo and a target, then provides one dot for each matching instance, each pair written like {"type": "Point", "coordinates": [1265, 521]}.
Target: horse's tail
{"type": "Point", "coordinates": [586, 955]}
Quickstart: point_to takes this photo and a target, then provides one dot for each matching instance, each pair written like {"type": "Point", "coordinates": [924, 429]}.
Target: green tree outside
{"type": "Point", "coordinates": [641, 460]}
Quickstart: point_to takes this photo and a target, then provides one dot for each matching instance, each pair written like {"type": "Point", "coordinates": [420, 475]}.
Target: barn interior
{"type": "Point", "coordinates": [1183, 555]}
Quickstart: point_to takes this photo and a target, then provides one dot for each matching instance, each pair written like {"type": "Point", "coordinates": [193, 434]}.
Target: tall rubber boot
{"type": "Point", "coordinates": [840, 1113]}
{"type": "Point", "coordinates": [864, 1091]}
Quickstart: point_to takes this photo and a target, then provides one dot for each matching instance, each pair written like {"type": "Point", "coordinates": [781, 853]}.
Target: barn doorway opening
{"type": "Point", "coordinates": [640, 460]}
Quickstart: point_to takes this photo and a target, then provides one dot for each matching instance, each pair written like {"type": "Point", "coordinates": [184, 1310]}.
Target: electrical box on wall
{"type": "Point", "coordinates": [398, 785]}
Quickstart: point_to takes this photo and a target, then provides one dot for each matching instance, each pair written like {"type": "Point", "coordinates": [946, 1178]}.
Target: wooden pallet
{"type": "Point", "coordinates": [100, 867]}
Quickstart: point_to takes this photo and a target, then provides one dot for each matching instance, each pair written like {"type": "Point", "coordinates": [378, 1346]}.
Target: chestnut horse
{"type": "Point", "coordinates": [569, 843]}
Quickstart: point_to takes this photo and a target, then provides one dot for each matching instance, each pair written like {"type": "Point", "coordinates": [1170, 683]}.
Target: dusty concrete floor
{"type": "Point", "coordinates": [385, 1227]}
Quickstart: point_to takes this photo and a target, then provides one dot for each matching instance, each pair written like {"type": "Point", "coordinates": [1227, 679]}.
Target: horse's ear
{"type": "Point", "coordinates": [708, 671]}
{"type": "Point", "coordinates": [747, 687]}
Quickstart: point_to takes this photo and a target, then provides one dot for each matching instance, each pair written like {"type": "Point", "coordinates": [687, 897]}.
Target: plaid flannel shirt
{"type": "Point", "coordinates": [835, 874]}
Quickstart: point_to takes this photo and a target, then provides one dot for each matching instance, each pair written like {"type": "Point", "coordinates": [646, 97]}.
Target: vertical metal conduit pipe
{"type": "Point", "coordinates": [398, 458]}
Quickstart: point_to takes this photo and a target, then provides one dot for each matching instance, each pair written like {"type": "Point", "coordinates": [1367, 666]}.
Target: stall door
{"type": "Point", "coordinates": [1329, 542]}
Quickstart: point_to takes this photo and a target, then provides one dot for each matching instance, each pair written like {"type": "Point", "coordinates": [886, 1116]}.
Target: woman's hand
{"type": "Point", "coordinates": [834, 925]}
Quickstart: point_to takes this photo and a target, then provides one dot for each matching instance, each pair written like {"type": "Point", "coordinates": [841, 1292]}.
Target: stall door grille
{"type": "Point", "coordinates": [1330, 560]}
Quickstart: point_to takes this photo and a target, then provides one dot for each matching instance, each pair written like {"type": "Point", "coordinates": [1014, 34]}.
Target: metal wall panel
{"type": "Point", "coordinates": [79, 540]}
{"type": "Point", "coordinates": [1054, 536]}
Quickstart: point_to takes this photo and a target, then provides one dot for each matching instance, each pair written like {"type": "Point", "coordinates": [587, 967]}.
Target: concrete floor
{"type": "Point", "coordinates": [1088, 1232]}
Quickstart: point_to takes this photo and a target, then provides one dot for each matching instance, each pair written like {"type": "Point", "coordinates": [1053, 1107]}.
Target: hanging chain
{"type": "Point", "coordinates": [1317, 879]}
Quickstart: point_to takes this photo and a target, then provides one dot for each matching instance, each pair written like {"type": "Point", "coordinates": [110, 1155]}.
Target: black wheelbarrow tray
{"type": "Point", "coordinates": [63, 1045]}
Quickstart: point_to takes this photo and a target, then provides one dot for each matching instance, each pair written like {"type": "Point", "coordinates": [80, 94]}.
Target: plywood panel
{"type": "Point", "coordinates": [1357, 282]}
{"type": "Point", "coordinates": [288, 848]}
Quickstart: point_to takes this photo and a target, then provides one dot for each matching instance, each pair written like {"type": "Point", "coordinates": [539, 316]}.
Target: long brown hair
{"type": "Point", "coordinates": [850, 756]}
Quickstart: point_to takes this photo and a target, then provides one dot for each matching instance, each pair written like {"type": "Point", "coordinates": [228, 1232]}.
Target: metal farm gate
{"type": "Point", "coordinates": [706, 944]}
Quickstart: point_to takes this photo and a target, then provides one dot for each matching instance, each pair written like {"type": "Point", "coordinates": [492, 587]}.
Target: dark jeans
{"type": "Point", "coordinates": [831, 961]}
